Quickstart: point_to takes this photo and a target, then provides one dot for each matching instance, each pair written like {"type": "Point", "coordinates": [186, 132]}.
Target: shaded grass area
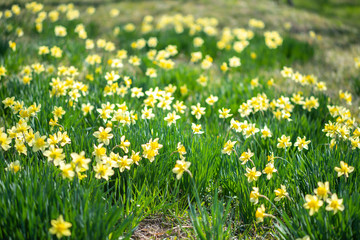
{"type": "Point", "coordinates": [341, 11]}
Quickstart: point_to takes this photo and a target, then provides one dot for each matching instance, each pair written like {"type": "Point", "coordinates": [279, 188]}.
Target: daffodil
{"type": "Point", "coordinates": [344, 169]}
{"type": "Point", "coordinates": [252, 174]}
{"type": "Point", "coordinates": [4, 141]}
{"type": "Point", "coordinates": [323, 190]}
{"type": "Point", "coordinates": [312, 203]}
{"type": "Point", "coordinates": [86, 108]}
{"type": "Point", "coordinates": [103, 171]}
{"type": "Point", "coordinates": [250, 130]}
{"type": "Point", "coordinates": [311, 103]}
{"type": "Point", "coordinates": [281, 193]}
{"type": "Point", "coordinates": [80, 161]}
{"type": "Point", "coordinates": [180, 167]}
{"type": "Point", "coordinates": [60, 227]}
{"type": "Point", "coordinates": [260, 213]}
{"type": "Point", "coordinates": [246, 156]}
{"type": "Point", "coordinates": [14, 166]}
{"type": "Point", "coordinates": [58, 112]}
{"type": "Point", "coordinates": [103, 135]}
{"type": "Point", "coordinates": [235, 124]}
{"type": "Point", "coordinates": [39, 143]}
{"type": "Point", "coordinates": [211, 100]}
{"type": "Point", "coordinates": [67, 170]}
{"type": "Point", "coordinates": [197, 111]}
{"type": "Point", "coordinates": [171, 118]}
{"type": "Point", "coordinates": [179, 107]}
{"type": "Point", "coordinates": [124, 163]}
{"type": "Point", "coordinates": [99, 152]}
{"type": "Point", "coordinates": [9, 101]}
{"type": "Point", "coordinates": [334, 204]}
{"type": "Point", "coordinates": [228, 147]}
{"type": "Point", "coordinates": [180, 149]}
{"type": "Point", "coordinates": [124, 144]}
{"type": "Point", "coordinates": [265, 132]}
{"type": "Point", "coordinates": [135, 157]}
{"type": "Point", "coordinates": [284, 142]}
{"type": "Point", "coordinates": [54, 155]}
{"type": "Point", "coordinates": [254, 195]}
{"type": "Point", "coordinates": [234, 62]}
{"type": "Point", "coordinates": [20, 147]}
{"type": "Point", "coordinates": [196, 128]}
{"type": "Point", "coordinates": [224, 113]}
{"type": "Point", "coordinates": [269, 170]}
{"type": "Point", "coordinates": [301, 143]}
{"type": "Point", "coordinates": [151, 149]}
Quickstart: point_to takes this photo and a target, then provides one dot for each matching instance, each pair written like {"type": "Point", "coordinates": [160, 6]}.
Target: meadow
{"type": "Point", "coordinates": [177, 126]}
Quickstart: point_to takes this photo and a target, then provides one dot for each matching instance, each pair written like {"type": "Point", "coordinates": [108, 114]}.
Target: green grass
{"type": "Point", "coordinates": [216, 199]}
{"type": "Point", "coordinates": [341, 11]}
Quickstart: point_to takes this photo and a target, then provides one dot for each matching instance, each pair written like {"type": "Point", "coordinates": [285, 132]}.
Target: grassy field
{"type": "Point", "coordinates": [179, 120]}
{"type": "Point", "coordinates": [341, 11]}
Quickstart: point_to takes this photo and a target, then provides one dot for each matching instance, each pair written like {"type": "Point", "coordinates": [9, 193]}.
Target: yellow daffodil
{"type": "Point", "coordinates": [344, 169]}
{"type": "Point", "coordinates": [180, 167]}
{"type": "Point", "coordinates": [312, 203]}
{"type": "Point", "coordinates": [60, 227]}
{"type": "Point", "coordinates": [334, 204]}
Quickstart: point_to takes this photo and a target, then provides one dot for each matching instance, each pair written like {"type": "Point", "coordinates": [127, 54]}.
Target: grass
{"type": "Point", "coordinates": [212, 199]}
{"type": "Point", "coordinates": [342, 11]}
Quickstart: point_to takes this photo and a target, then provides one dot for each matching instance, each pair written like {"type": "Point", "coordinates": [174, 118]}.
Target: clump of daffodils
{"type": "Point", "coordinates": [151, 149]}
{"type": "Point", "coordinates": [314, 202]}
